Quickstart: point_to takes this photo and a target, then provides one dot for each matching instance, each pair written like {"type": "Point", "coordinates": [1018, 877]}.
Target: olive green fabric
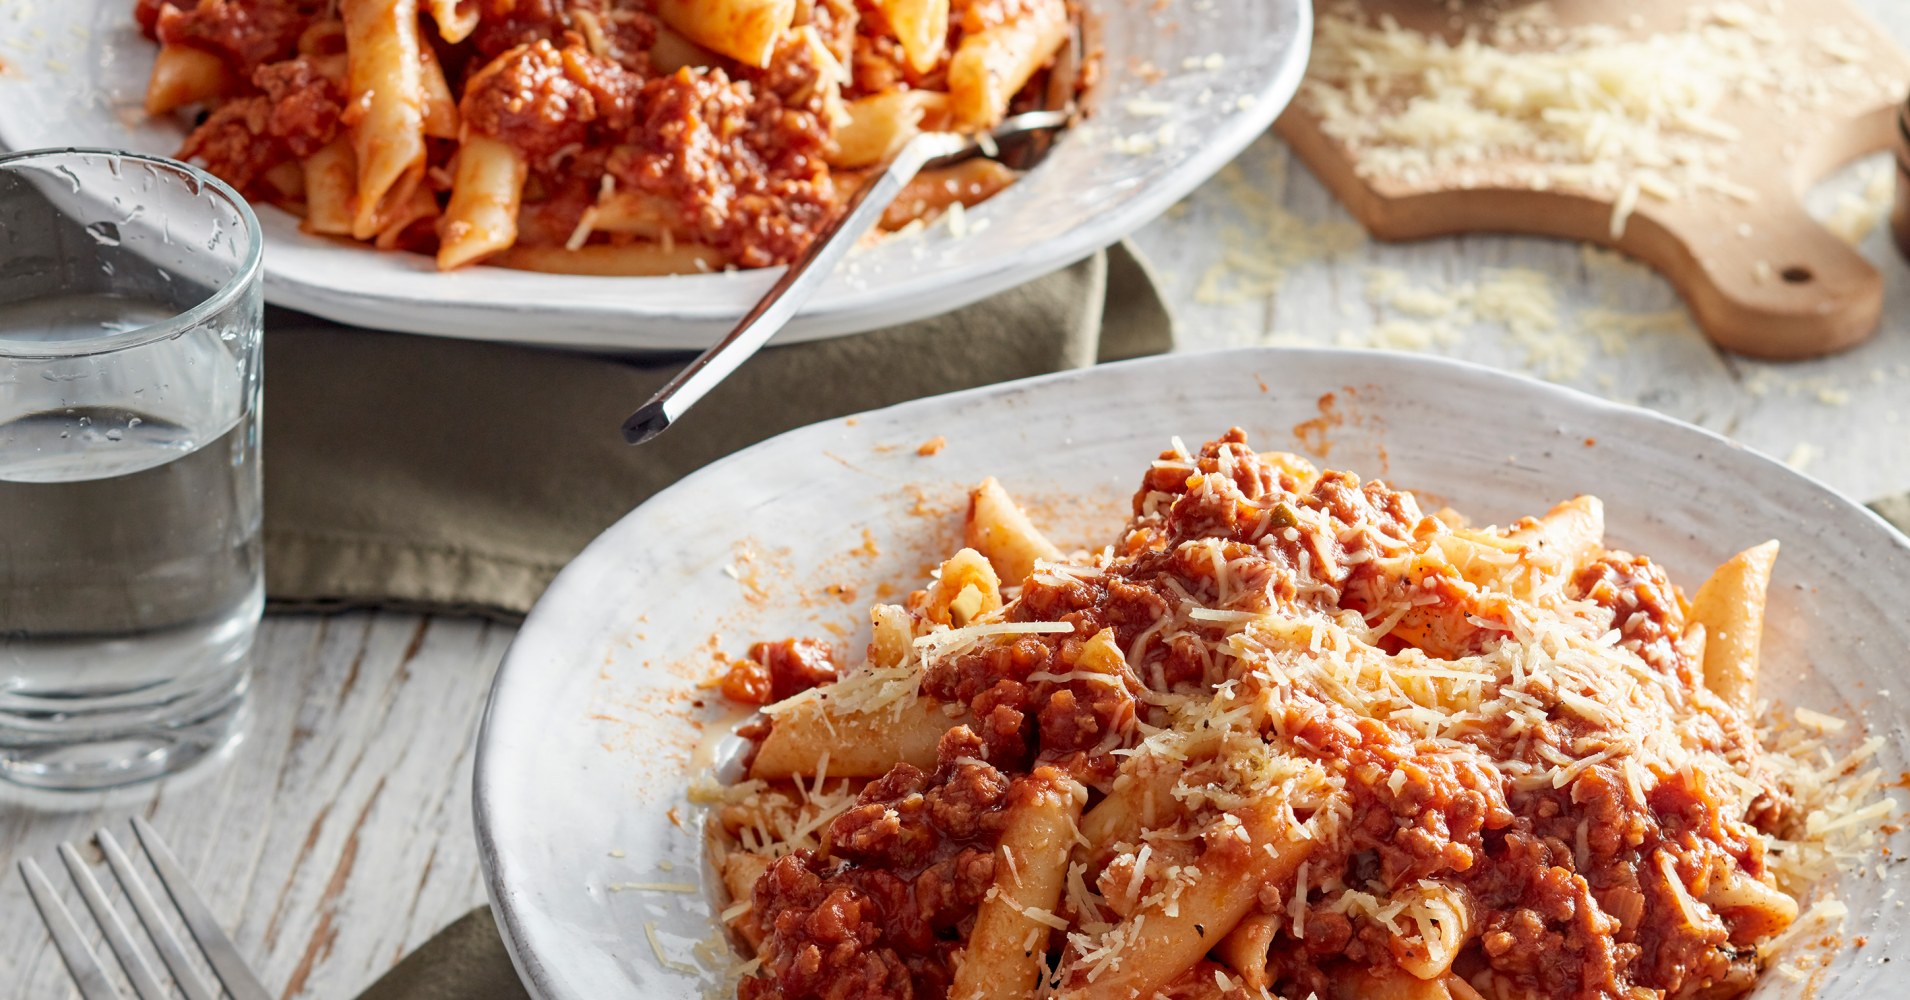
{"type": "Point", "coordinates": [465, 961]}
{"type": "Point", "coordinates": [1896, 510]}
{"type": "Point", "coordinates": [446, 476]}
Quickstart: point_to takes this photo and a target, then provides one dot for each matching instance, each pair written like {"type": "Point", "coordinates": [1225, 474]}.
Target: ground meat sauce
{"type": "Point", "coordinates": [1569, 888]}
{"type": "Point", "coordinates": [735, 152]}
{"type": "Point", "coordinates": [778, 670]}
{"type": "Point", "coordinates": [547, 102]}
{"type": "Point", "coordinates": [247, 34]}
{"type": "Point", "coordinates": [906, 864]}
{"type": "Point", "coordinates": [295, 115]}
{"type": "Point", "coordinates": [746, 172]}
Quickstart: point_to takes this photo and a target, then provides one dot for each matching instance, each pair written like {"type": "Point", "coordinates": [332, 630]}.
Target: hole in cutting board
{"type": "Point", "coordinates": [1796, 274]}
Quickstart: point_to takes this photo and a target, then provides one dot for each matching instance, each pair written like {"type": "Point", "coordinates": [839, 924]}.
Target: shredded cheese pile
{"type": "Point", "coordinates": [1592, 109]}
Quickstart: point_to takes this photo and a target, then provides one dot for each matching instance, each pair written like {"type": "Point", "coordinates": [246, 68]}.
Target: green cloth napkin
{"type": "Point", "coordinates": [1895, 509]}
{"type": "Point", "coordinates": [447, 476]}
{"type": "Point", "coordinates": [465, 961]}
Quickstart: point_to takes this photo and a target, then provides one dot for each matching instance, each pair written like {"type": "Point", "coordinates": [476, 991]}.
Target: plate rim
{"type": "Point", "coordinates": [510, 925]}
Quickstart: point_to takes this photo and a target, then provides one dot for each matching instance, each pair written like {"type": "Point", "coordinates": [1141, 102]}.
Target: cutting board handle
{"type": "Point", "coordinates": [1790, 289]}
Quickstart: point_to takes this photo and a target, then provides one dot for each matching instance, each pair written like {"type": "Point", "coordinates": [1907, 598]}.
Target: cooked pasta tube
{"type": "Point", "coordinates": [990, 66]}
{"type": "Point", "coordinates": [486, 193]}
{"type": "Point", "coordinates": [1008, 948]}
{"type": "Point", "coordinates": [999, 529]}
{"type": "Point", "coordinates": [858, 745]}
{"type": "Point", "coordinates": [745, 30]}
{"type": "Point", "coordinates": [385, 81]}
{"type": "Point", "coordinates": [921, 26]}
{"type": "Point", "coordinates": [1164, 939]}
{"type": "Point", "coordinates": [1244, 949]}
{"type": "Point", "coordinates": [331, 178]}
{"type": "Point", "coordinates": [1730, 606]}
{"type": "Point", "coordinates": [184, 75]}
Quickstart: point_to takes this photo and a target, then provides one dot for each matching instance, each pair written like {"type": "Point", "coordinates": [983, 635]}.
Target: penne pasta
{"type": "Point", "coordinates": [286, 182]}
{"type": "Point", "coordinates": [966, 586]}
{"type": "Point", "coordinates": [1730, 607]}
{"type": "Point", "coordinates": [331, 177]}
{"type": "Point", "coordinates": [741, 869]}
{"type": "Point", "coordinates": [1007, 951]}
{"type": "Point", "coordinates": [1442, 914]}
{"type": "Point", "coordinates": [745, 30]}
{"type": "Point", "coordinates": [1162, 941]}
{"type": "Point", "coordinates": [990, 66]}
{"type": "Point", "coordinates": [857, 745]}
{"type": "Point", "coordinates": [456, 19]}
{"type": "Point", "coordinates": [921, 26]}
{"type": "Point", "coordinates": [386, 82]}
{"type": "Point", "coordinates": [183, 75]}
{"type": "Point", "coordinates": [999, 529]}
{"type": "Point", "coordinates": [1754, 909]}
{"type": "Point", "coordinates": [419, 205]}
{"type": "Point", "coordinates": [485, 195]}
{"type": "Point", "coordinates": [878, 127]}
{"type": "Point", "coordinates": [1244, 949]}
{"type": "Point", "coordinates": [635, 213]}
{"type": "Point", "coordinates": [1567, 537]}
{"type": "Point", "coordinates": [440, 108]}
{"type": "Point", "coordinates": [1143, 795]}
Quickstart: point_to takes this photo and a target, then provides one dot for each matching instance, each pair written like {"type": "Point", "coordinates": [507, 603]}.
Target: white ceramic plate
{"type": "Point", "coordinates": [591, 735]}
{"type": "Point", "coordinates": [74, 73]}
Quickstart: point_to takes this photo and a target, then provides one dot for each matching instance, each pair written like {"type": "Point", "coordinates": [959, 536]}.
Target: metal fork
{"type": "Point", "coordinates": [1020, 141]}
{"type": "Point", "coordinates": [84, 966]}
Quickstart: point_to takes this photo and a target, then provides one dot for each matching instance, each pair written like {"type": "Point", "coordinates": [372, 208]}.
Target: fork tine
{"type": "Point", "coordinates": [80, 961]}
{"type": "Point", "coordinates": [137, 971]}
{"type": "Point", "coordinates": [231, 969]}
{"type": "Point", "coordinates": [170, 950]}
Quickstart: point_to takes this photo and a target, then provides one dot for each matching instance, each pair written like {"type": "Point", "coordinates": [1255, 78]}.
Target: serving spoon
{"type": "Point", "coordinates": [1020, 141]}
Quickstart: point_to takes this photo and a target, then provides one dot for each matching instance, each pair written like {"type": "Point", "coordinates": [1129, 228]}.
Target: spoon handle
{"type": "Point", "coordinates": [799, 281]}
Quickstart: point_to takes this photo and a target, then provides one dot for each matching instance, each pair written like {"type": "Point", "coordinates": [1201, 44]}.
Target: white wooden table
{"type": "Point", "coordinates": [338, 836]}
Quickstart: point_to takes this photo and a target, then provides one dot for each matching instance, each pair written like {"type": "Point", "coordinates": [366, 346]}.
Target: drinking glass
{"type": "Point", "coordinates": [130, 575]}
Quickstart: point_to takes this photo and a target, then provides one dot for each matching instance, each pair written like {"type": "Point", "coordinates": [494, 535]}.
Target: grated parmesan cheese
{"type": "Point", "coordinates": [1526, 102]}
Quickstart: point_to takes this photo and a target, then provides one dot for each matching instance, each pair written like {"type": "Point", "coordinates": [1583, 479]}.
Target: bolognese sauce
{"type": "Point", "coordinates": [1460, 699]}
{"type": "Point", "coordinates": [607, 115]}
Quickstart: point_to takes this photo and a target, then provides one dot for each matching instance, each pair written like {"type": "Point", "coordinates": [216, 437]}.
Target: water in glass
{"type": "Point", "coordinates": [130, 570]}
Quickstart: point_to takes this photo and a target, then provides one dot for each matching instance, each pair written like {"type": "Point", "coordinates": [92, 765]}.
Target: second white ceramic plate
{"type": "Point", "coordinates": [596, 726]}
{"type": "Point", "coordinates": [1184, 87]}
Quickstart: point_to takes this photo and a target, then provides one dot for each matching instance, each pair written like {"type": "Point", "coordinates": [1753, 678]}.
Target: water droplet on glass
{"type": "Point", "coordinates": [86, 421]}
{"type": "Point", "coordinates": [106, 234]}
{"type": "Point", "coordinates": [72, 179]}
{"type": "Point", "coordinates": [134, 421]}
{"type": "Point", "coordinates": [115, 434]}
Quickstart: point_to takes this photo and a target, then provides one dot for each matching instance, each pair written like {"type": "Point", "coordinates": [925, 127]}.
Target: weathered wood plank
{"type": "Point", "coordinates": [337, 837]}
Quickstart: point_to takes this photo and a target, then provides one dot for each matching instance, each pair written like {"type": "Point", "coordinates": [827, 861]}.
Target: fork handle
{"type": "Point", "coordinates": [799, 281]}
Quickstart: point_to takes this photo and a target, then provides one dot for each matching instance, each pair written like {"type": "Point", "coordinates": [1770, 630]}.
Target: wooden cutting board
{"type": "Point", "coordinates": [1760, 275]}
